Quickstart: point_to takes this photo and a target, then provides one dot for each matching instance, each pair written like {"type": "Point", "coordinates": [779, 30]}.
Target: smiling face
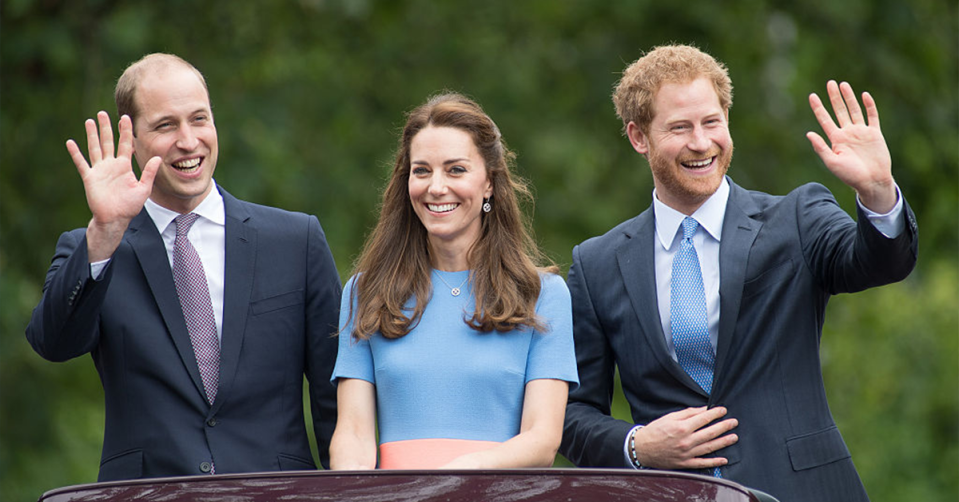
{"type": "Point", "coordinates": [175, 122]}
{"type": "Point", "coordinates": [447, 184]}
{"type": "Point", "coordinates": [688, 145]}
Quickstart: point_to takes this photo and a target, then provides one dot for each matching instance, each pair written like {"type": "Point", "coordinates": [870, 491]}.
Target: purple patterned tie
{"type": "Point", "coordinates": [191, 287]}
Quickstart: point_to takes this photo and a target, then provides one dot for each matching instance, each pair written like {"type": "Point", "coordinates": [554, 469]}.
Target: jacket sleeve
{"type": "Point", "coordinates": [591, 436]}
{"type": "Point", "coordinates": [847, 256]}
{"type": "Point", "coordinates": [323, 308]}
{"type": "Point", "coordinates": [65, 324]}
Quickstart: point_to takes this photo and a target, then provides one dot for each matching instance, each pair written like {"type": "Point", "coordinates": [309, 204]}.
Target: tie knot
{"type": "Point", "coordinates": [689, 227]}
{"type": "Point", "coordinates": [184, 222]}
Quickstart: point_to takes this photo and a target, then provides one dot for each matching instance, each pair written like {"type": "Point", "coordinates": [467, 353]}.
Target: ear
{"type": "Point", "coordinates": [636, 138]}
{"type": "Point", "coordinates": [489, 189]}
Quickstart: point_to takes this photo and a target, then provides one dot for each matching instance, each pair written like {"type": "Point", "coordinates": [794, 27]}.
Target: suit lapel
{"type": "Point", "coordinates": [150, 251]}
{"type": "Point", "coordinates": [739, 232]}
{"type": "Point", "coordinates": [237, 287]}
{"type": "Point", "coordinates": [638, 268]}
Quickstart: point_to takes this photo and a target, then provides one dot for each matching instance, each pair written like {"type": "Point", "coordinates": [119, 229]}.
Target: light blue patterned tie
{"type": "Point", "coordinates": [687, 314]}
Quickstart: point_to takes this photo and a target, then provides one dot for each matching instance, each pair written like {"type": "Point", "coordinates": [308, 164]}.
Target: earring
{"type": "Point", "coordinates": [487, 207]}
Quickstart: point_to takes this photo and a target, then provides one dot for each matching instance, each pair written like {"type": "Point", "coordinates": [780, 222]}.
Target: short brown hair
{"type": "Point", "coordinates": [125, 93]}
{"type": "Point", "coordinates": [636, 90]}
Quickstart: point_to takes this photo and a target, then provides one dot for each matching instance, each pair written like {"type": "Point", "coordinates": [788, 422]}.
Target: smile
{"type": "Point", "coordinates": [187, 165]}
{"type": "Point", "coordinates": [442, 208]}
{"type": "Point", "coordinates": [698, 164]}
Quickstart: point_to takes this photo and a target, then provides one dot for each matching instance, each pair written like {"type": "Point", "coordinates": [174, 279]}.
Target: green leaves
{"type": "Point", "coordinates": [308, 98]}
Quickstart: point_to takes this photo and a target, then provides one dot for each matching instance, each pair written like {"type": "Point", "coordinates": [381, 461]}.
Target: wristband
{"type": "Point", "coordinates": [632, 450]}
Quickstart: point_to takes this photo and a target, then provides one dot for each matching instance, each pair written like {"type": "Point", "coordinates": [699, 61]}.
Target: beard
{"type": "Point", "coordinates": [672, 180]}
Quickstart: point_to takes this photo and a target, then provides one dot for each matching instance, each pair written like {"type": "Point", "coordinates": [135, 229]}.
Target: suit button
{"type": "Point", "coordinates": [205, 467]}
{"type": "Point", "coordinates": [212, 422]}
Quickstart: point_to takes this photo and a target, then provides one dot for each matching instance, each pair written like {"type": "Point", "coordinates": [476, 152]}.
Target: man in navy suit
{"type": "Point", "coordinates": [740, 396]}
{"type": "Point", "coordinates": [211, 380]}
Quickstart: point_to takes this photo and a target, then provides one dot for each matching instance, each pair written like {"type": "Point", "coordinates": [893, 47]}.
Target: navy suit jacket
{"type": "Point", "coordinates": [281, 305]}
{"type": "Point", "coordinates": [781, 258]}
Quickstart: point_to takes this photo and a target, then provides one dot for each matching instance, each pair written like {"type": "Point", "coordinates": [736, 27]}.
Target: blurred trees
{"type": "Point", "coordinates": [309, 95]}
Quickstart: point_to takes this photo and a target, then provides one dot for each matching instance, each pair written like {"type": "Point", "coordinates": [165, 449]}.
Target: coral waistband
{"type": "Point", "coordinates": [427, 453]}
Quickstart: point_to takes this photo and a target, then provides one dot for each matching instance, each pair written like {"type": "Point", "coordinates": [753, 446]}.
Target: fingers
{"type": "Point", "coordinates": [700, 420]}
{"type": "Point", "coordinates": [687, 413]}
{"type": "Point", "coordinates": [106, 135]}
{"type": "Point", "coordinates": [715, 433]}
{"type": "Point", "coordinates": [93, 141]}
{"type": "Point", "coordinates": [709, 440]}
{"type": "Point", "coordinates": [872, 111]}
{"type": "Point", "coordinates": [838, 105]}
{"type": "Point", "coordinates": [852, 105]}
{"type": "Point", "coordinates": [822, 115]}
{"type": "Point", "coordinates": [77, 157]}
{"type": "Point", "coordinates": [845, 106]}
{"type": "Point", "coordinates": [125, 148]}
{"type": "Point", "coordinates": [818, 145]}
{"type": "Point", "coordinates": [149, 172]}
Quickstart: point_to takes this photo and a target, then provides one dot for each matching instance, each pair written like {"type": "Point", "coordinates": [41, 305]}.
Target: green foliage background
{"type": "Point", "coordinates": [309, 95]}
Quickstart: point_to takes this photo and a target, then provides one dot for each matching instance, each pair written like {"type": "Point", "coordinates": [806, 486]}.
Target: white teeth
{"type": "Point", "coordinates": [187, 164]}
{"type": "Point", "coordinates": [441, 208]}
{"type": "Point", "coordinates": [699, 163]}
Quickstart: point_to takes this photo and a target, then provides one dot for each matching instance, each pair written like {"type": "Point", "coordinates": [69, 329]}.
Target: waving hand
{"type": "Point", "coordinates": [114, 194]}
{"type": "Point", "coordinates": [857, 153]}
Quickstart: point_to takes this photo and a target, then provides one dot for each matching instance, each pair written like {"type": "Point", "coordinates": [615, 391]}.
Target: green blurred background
{"type": "Point", "coordinates": [309, 96]}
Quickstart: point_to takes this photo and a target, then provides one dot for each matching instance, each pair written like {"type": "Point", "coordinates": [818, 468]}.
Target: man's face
{"type": "Point", "coordinates": [688, 146]}
{"type": "Point", "coordinates": [175, 123]}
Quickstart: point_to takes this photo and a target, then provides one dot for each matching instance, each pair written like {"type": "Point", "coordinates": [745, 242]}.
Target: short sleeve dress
{"type": "Point", "coordinates": [445, 389]}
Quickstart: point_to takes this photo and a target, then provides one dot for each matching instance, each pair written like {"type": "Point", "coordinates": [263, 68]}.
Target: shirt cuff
{"type": "Point", "coordinates": [96, 268]}
{"type": "Point", "coordinates": [890, 224]}
{"type": "Point", "coordinates": [626, 453]}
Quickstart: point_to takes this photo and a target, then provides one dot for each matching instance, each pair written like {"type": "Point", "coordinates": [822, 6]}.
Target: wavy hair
{"type": "Point", "coordinates": [678, 64]}
{"type": "Point", "coordinates": [395, 263]}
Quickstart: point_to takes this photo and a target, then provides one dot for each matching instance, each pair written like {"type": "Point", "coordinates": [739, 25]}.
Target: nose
{"type": "Point", "coordinates": [437, 184]}
{"type": "Point", "coordinates": [186, 139]}
{"type": "Point", "coordinates": [698, 140]}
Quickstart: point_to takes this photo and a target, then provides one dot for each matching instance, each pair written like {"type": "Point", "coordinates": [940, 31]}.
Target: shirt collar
{"type": "Point", "coordinates": [710, 216]}
{"type": "Point", "coordinates": [210, 208]}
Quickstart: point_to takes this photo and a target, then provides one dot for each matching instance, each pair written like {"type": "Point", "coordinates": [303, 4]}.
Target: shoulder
{"type": "Point", "coordinates": [552, 282]}
{"type": "Point", "coordinates": [802, 200]}
{"type": "Point", "coordinates": [274, 223]}
{"type": "Point", "coordinates": [553, 289]}
{"type": "Point", "coordinates": [257, 214]}
{"type": "Point", "coordinates": [269, 213]}
{"type": "Point", "coordinates": [612, 239]}
{"type": "Point", "coordinates": [350, 284]}
{"type": "Point", "coordinates": [811, 190]}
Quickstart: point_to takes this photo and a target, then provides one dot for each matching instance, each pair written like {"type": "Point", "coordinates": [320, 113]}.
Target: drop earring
{"type": "Point", "coordinates": [487, 207]}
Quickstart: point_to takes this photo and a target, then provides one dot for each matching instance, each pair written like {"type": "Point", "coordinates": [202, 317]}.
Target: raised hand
{"type": "Point", "coordinates": [680, 439]}
{"type": "Point", "coordinates": [858, 154]}
{"type": "Point", "coordinates": [114, 194]}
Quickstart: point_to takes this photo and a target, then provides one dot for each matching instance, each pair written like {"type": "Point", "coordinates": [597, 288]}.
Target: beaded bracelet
{"type": "Point", "coordinates": [632, 451]}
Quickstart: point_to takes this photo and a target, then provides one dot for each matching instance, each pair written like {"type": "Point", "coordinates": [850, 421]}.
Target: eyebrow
{"type": "Point", "coordinates": [167, 117]}
{"type": "Point", "coordinates": [445, 162]}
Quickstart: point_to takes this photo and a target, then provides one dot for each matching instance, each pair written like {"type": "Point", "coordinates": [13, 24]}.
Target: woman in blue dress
{"type": "Point", "coordinates": [455, 345]}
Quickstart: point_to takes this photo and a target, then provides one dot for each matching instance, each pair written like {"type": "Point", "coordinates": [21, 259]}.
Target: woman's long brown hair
{"type": "Point", "coordinates": [395, 262]}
